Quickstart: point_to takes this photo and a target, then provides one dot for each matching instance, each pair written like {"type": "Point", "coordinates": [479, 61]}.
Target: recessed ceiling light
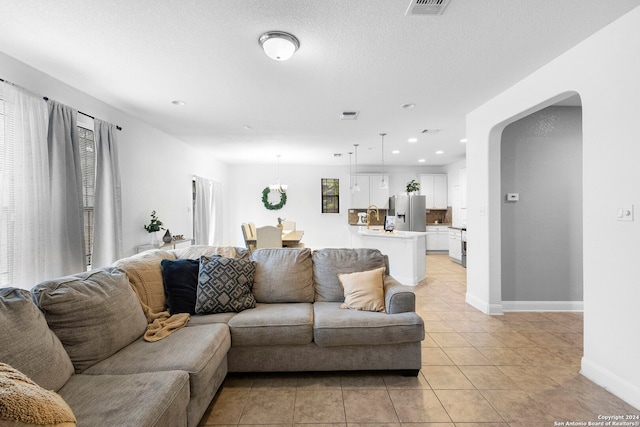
{"type": "Point", "coordinates": [439, 152]}
{"type": "Point", "coordinates": [407, 106]}
{"type": "Point", "coordinates": [247, 127]}
{"type": "Point", "coordinates": [178, 102]}
{"type": "Point", "coordinates": [421, 160]}
{"type": "Point", "coordinates": [463, 140]}
{"type": "Point", "coordinates": [395, 152]}
{"type": "Point", "coordinates": [412, 140]}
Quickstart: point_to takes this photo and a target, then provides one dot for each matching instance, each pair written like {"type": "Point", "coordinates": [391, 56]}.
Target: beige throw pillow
{"type": "Point", "coordinates": [363, 290]}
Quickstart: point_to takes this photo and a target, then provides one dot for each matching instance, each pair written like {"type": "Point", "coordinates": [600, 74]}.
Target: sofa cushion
{"type": "Point", "coordinates": [180, 279]}
{"type": "Point", "coordinates": [199, 350]}
{"type": "Point", "coordinates": [27, 343]}
{"type": "Point", "coordinates": [363, 290]}
{"type": "Point", "coordinates": [145, 275]}
{"type": "Point", "coordinates": [328, 263]}
{"type": "Point", "coordinates": [144, 399]}
{"type": "Point", "coordinates": [207, 319]}
{"type": "Point", "coordinates": [283, 275]}
{"type": "Point", "coordinates": [334, 326]}
{"type": "Point", "coordinates": [224, 285]}
{"type": "Point", "coordinates": [94, 314]}
{"type": "Point", "coordinates": [273, 324]}
{"type": "Point", "coordinates": [25, 403]}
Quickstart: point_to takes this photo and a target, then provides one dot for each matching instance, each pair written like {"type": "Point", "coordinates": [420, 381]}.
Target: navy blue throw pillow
{"type": "Point", "coordinates": [180, 278]}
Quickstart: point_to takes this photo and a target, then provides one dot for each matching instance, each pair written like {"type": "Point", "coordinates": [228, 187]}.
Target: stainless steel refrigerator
{"type": "Point", "coordinates": [410, 212]}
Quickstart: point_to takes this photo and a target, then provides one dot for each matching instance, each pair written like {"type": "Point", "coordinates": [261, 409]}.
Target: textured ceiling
{"type": "Point", "coordinates": [363, 55]}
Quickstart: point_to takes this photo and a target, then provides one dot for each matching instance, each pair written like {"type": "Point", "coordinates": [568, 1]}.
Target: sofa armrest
{"type": "Point", "coordinates": [398, 298]}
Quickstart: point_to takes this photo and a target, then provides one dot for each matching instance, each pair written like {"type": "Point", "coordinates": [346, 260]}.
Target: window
{"type": "Point", "coordinates": [88, 165]}
{"type": "Point", "coordinates": [330, 195]}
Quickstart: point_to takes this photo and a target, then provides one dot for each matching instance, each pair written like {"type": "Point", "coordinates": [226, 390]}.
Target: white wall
{"type": "Point", "coordinates": [156, 169]}
{"type": "Point", "coordinates": [604, 71]}
{"type": "Point", "coordinates": [303, 202]}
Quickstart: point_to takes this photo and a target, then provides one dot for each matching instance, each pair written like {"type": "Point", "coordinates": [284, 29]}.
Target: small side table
{"type": "Point", "coordinates": [174, 244]}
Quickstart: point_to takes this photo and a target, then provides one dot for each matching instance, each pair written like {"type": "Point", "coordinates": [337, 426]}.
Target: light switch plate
{"type": "Point", "coordinates": [625, 214]}
{"type": "Point", "coordinates": [513, 197]}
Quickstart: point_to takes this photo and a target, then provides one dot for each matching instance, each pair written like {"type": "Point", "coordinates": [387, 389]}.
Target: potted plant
{"type": "Point", "coordinates": [154, 226]}
{"type": "Point", "coordinates": [413, 186]}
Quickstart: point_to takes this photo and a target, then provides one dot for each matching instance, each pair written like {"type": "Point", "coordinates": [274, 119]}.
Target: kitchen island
{"type": "Point", "coordinates": [406, 251]}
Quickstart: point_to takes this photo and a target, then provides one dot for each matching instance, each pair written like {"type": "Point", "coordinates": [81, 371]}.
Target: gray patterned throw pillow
{"type": "Point", "coordinates": [224, 285]}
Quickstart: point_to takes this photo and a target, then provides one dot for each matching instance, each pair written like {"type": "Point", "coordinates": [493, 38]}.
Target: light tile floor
{"type": "Point", "coordinates": [519, 369]}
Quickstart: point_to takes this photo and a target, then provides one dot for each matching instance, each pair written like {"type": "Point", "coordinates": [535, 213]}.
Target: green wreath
{"type": "Point", "coordinates": [265, 200]}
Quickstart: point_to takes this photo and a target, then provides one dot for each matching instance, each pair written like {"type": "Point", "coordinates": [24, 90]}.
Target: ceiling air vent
{"type": "Point", "coordinates": [349, 115]}
{"type": "Point", "coordinates": [427, 7]}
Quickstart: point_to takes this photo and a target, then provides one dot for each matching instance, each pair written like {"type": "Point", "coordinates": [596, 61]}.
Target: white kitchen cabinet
{"type": "Point", "coordinates": [360, 199]}
{"type": "Point", "coordinates": [434, 187]}
{"type": "Point", "coordinates": [370, 192]}
{"type": "Point", "coordinates": [455, 245]}
{"type": "Point", "coordinates": [437, 238]}
{"type": "Point", "coordinates": [378, 196]}
{"type": "Point", "coordinates": [463, 188]}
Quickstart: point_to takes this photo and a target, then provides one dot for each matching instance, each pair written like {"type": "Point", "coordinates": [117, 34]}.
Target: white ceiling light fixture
{"type": "Point", "coordinates": [383, 183]}
{"type": "Point", "coordinates": [280, 188]}
{"type": "Point", "coordinates": [356, 187]}
{"type": "Point", "coordinates": [279, 45]}
{"type": "Point", "coordinates": [439, 152]}
{"type": "Point", "coordinates": [463, 140]}
{"type": "Point", "coordinates": [412, 140]}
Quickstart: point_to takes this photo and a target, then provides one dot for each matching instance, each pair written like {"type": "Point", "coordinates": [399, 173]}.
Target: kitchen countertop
{"type": "Point", "coordinates": [396, 234]}
{"type": "Point", "coordinates": [457, 228]}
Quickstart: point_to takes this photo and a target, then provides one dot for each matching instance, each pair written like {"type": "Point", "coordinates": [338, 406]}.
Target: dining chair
{"type": "Point", "coordinates": [268, 237]}
{"type": "Point", "coordinates": [246, 233]}
{"type": "Point", "coordinates": [289, 225]}
{"type": "Point", "coordinates": [252, 227]}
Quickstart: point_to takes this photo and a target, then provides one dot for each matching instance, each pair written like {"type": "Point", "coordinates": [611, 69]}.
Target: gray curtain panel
{"type": "Point", "coordinates": [66, 189]}
{"type": "Point", "coordinates": [107, 240]}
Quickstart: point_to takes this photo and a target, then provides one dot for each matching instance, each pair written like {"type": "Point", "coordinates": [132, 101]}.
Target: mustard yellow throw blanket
{"type": "Point", "coordinates": [145, 277]}
{"type": "Point", "coordinates": [23, 402]}
{"type": "Point", "coordinates": [162, 324]}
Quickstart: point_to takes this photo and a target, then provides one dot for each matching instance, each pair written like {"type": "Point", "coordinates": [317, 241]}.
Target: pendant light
{"type": "Point", "coordinates": [280, 188]}
{"type": "Point", "coordinates": [356, 187]}
{"type": "Point", "coordinates": [383, 184]}
{"type": "Point", "coordinates": [350, 153]}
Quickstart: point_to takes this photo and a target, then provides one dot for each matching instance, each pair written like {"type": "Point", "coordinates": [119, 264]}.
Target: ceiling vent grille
{"type": "Point", "coordinates": [427, 7]}
{"type": "Point", "coordinates": [349, 115]}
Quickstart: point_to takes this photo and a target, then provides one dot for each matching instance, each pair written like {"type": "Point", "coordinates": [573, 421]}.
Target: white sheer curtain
{"type": "Point", "coordinates": [107, 240]}
{"type": "Point", "coordinates": [208, 226]}
{"type": "Point", "coordinates": [65, 173]}
{"type": "Point", "coordinates": [26, 225]}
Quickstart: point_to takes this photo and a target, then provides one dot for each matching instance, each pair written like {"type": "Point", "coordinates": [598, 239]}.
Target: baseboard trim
{"type": "Point", "coordinates": [543, 305]}
{"type": "Point", "coordinates": [483, 306]}
{"type": "Point", "coordinates": [622, 388]}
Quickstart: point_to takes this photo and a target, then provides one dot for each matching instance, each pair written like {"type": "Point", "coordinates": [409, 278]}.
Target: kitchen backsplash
{"type": "Point", "coordinates": [441, 216]}
{"type": "Point", "coordinates": [353, 216]}
{"type": "Point", "coordinates": [432, 215]}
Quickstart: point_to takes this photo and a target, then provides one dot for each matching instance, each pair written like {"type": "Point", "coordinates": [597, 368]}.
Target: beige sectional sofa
{"type": "Point", "coordinates": [82, 335]}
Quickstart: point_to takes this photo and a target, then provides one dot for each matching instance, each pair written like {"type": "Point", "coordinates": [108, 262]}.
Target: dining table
{"type": "Point", "coordinates": [289, 238]}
